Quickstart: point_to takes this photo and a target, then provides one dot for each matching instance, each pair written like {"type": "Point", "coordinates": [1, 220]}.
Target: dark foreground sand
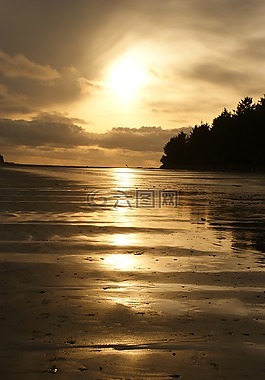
{"type": "Point", "coordinates": [76, 307]}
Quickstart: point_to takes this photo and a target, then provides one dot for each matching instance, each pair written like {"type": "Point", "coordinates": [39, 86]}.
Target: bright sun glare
{"type": "Point", "coordinates": [126, 77]}
{"type": "Point", "coordinates": [120, 261]}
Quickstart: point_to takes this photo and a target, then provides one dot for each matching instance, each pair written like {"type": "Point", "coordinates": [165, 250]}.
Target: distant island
{"type": "Point", "coordinates": [234, 141]}
{"type": "Point", "coordinates": [4, 163]}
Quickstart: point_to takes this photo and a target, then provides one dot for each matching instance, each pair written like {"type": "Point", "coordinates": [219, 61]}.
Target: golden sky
{"type": "Point", "coordinates": [108, 82]}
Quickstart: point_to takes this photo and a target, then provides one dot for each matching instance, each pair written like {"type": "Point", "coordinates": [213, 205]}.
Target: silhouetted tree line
{"type": "Point", "coordinates": [234, 140]}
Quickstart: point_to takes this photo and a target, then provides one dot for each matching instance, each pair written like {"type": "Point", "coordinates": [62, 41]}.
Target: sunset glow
{"type": "Point", "coordinates": [126, 77]}
{"type": "Point", "coordinates": [109, 83]}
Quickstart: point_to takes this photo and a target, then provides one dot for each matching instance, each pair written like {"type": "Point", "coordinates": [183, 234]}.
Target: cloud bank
{"type": "Point", "coordinates": [57, 130]}
{"type": "Point", "coordinates": [57, 134]}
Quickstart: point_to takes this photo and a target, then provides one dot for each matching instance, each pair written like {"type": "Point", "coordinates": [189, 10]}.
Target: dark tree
{"type": "Point", "coordinates": [222, 148]}
{"type": "Point", "coordinates": [175, 151]}
{"type": "Point", "coordinates": [244, 106]}
{"type": "Point", "coordinates": [199, 144]}
{"type": "Point", "coordinates": [234, 140]}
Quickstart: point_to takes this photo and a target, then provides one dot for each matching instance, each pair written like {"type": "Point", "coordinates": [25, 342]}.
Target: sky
{"type": "Point", "coordinates": [108, 82]}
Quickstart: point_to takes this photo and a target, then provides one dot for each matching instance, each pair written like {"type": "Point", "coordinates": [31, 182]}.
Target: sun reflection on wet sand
{"type": "Point", "coordinates": [123, 177]}
{"type": "Point", "coordinates": [120, 262]}
{"type": "Point", "coordinates": [122, 239]}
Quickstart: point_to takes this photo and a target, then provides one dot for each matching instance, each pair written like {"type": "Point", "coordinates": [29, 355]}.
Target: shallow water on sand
{"type": "Point", "coordinates": [213, 212]}
{"type": "Point", "coordinates": [131, 273]}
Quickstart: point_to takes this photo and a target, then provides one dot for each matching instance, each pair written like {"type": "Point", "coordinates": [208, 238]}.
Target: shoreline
{"type": "Point", "coordinates": [180, 169]}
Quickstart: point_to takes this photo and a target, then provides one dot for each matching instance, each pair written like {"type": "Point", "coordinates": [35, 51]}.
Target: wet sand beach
{"type": "Point", "coordinates": [102, 277]}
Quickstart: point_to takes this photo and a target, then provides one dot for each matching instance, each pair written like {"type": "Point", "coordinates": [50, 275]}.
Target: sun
{"type": "Point", "coordinates": [126, 77]}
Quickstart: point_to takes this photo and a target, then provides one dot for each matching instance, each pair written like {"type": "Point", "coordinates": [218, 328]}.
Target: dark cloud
{"type": "Point", "coordinates": [253, 48]}
{"type": "Point", "coordinates": [218, 74]}
{"type": "Point", "coordinates": [57, 139]}
{"type": "Point", "coordinates": [227, 15]}
{"type": "Point", "coordinates": [12, 103]}
{"type": "Point", "coordinates": [141, 139]}
{"type": "Point", "coordinates": [44, 130]}
{"type": "Point", "coordinates": [20, 66]}
{"type": "Point", "coordinates": [63, 33]}
{"type": "Point", "coordinates": [193, 111]}
{"type": "Point", "coordinates": [40, 94]}
{"type": "Point", "coordinates": [27, 86]}
{"type": "Point", "coordinates": [58, 41]}
{"type": "Point", "coordinates": [59, 131]}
